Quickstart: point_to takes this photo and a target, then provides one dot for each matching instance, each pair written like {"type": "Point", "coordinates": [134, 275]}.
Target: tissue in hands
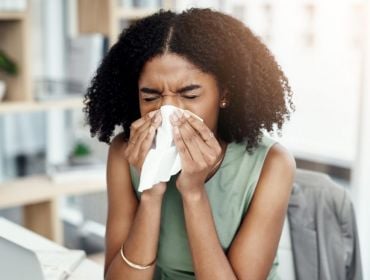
{"type": "Point", "coordinates": [163, 159]}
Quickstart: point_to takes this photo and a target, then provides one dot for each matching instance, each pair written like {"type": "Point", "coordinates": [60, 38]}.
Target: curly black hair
{"type": "Point", "coordinates": [259, 95]}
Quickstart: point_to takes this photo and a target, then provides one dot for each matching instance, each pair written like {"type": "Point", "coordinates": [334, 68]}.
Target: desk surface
{"type": "Point", "coordinates": [35, 189]}
{"type": "Point", "coordinates": [86, 270]}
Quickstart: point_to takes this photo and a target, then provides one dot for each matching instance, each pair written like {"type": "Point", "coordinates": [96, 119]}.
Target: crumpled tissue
{"type": "Point", "coordinates": [163, 159]}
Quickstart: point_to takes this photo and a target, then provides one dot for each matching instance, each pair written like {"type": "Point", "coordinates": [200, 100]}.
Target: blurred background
{"type": "Point", "coordinates": [52, 174]}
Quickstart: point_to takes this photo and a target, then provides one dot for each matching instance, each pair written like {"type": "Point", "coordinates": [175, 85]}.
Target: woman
{"type": "Point", "coordinates": [221, 216]}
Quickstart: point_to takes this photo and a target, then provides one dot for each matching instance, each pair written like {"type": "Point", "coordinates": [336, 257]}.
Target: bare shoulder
{"type": "Point", "coordinates": [280, 159]}
{"type": "Point", "coordinates": [118, 173]}
{"type": "Point", "coordinates": [118, 145]}
{"type": "Point", "coordinates": [117, 149]}
{"type": "Point", "coordinates": [278, 170]}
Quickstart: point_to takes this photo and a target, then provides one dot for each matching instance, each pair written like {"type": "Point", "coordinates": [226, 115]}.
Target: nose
{"type": "Point", "coordinates": [168, 98]}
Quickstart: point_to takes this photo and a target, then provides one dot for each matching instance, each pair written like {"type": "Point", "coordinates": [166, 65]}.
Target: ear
{"type": "Point", "coordinates": [224, 99]}
{"type": "Point", "coordinates": [224, 95]}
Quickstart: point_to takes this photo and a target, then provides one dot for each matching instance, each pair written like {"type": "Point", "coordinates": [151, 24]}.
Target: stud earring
{"type": "Point", "coordinates": [223, 104]}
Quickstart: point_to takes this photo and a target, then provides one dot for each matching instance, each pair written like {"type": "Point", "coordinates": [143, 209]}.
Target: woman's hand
{"type": "Point", "coordinates": [199, 151]}
{"type": "Point", "coordinates": [142, 132]}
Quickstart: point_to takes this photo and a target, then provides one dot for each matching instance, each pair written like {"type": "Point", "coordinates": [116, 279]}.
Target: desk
{"type": "Point", "coordinates": [86, 270]}
{"type": "Point", "coordinates": [39, 197]}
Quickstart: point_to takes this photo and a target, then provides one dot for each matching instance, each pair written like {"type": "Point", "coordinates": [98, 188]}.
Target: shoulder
{"type": "Point", "coordinates": [278, 168]}
{"type": "Point", "coordinates": [118, 145]}
{"type": "Point", "coordinates": [117, 155]}
{"type": "Point", "coordinates": [280, 157]}
{"type": "Point", "coordinates": [118, 172]}
{"type": "Point", "coordinates": [273, 156]}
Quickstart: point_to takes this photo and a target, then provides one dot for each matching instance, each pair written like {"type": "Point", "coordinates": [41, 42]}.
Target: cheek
{"type": "Point", "coordinates": [211, 123]}
{"type": "Point", "coordinates": [209, 117]}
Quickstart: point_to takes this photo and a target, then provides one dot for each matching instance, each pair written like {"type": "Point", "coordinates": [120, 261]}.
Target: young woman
{"type": "Point", "coordinates": [221, 216]}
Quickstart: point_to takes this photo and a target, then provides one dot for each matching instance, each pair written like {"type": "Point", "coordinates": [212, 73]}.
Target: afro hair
{"type": "Point", "coordinates": [259, 95]}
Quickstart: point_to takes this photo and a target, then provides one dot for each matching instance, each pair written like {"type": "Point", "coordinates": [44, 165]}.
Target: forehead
{"type": "Point", "coordinates": [169, 66]}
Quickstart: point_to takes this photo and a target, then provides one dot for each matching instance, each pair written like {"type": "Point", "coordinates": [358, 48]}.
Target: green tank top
{"type": "Point", "coordinates": [230, 191]}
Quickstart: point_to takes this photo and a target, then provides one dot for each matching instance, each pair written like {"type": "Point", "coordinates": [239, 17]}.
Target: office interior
{"type": "Point", "coordinates": [52, 172]}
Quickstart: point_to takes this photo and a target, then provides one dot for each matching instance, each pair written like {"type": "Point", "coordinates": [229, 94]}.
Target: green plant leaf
{"type": "Point", "coordinates": [7, 65]}
{"type": "Point", "coordinates": [81, 150]}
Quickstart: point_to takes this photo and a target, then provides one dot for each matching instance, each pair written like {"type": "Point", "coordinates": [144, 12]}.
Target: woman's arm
{"type": "Point", "coordinates": [209, 259]}
{"type": "Point", "coordinates": [253, 250]}
{"type": "Point", "coordinates": [130, 221]}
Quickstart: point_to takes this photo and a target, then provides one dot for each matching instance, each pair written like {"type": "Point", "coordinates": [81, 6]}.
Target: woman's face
{"type": "Point", "coordinates": [172, 80]}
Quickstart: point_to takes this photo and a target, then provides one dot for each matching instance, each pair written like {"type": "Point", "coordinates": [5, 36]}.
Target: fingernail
{"type": "Point", "coordinates": [151, 114]}
{"type": "Point", "coordinates": [178, 114]}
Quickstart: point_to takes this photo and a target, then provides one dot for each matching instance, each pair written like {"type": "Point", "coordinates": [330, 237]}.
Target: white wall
{"type": "Point", "coordinates": [361, 178]}
{"type": "Point", "coordinates": [324, 74]}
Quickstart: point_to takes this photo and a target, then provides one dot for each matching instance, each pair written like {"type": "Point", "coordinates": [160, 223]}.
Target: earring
{"type": "Point", "coordinates": [223, 104]}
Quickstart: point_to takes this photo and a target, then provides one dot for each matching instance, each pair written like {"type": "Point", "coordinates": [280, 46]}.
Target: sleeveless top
{"type": "Point", "coordinates": [230, 191]}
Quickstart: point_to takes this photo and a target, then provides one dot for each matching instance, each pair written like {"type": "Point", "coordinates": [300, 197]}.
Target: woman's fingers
{"type": "Point", "coordinates": [140, 125]}
{"type": "Point", "coordinates": [185, 156]}
{"type": "Point", "coordinates": [141, 137]}
{"type": "Point", "coordinates": [190, 138]}
{"type": "Point", "coordinates": [203, 131]}
{"type": "Point", "coordinates": [143, 131]}
{"type": "Point", "coordinates": [209, 153]}
{"type": "Point", "coordinates": [139, 122]}
{"type": "Point", "coordinates": [146, 140]}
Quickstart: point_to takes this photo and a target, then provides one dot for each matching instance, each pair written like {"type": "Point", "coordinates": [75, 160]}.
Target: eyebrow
{"type": "Point", "coordinates": [181, 90]}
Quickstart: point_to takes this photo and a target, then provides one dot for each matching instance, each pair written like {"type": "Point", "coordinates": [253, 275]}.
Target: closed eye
{"type": "Point", "coordinates": [181, 90]}
{"type": "Point", "coordinates": [187, 97]}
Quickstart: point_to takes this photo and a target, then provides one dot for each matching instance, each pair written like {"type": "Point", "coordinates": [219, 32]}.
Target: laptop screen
{"type": "Point", "coordinates": [17, 262]}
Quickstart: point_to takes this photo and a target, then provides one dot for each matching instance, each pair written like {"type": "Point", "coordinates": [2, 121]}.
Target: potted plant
{"type": "Point", "coordinates": [8, 67]}
{"type": "Point", "coordinates": [81, 154]}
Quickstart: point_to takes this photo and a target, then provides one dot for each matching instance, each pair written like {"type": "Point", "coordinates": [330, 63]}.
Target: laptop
{"type": "Point", "coordinates": [19, 262]}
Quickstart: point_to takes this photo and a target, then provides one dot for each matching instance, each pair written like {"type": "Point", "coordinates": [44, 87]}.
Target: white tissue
{"type": "Point", "coordinates": [163, 159]}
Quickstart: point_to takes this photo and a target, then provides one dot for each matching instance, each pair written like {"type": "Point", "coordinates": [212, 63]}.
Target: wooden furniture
{"type": "Point", "coordinates": [15, 42]}
{"type": "Point", "coordinates": [105, 16]}
{"type": "Point", "coordinates": [34, 106]}
{"type": "Point", "coordinates": [39, 197]}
